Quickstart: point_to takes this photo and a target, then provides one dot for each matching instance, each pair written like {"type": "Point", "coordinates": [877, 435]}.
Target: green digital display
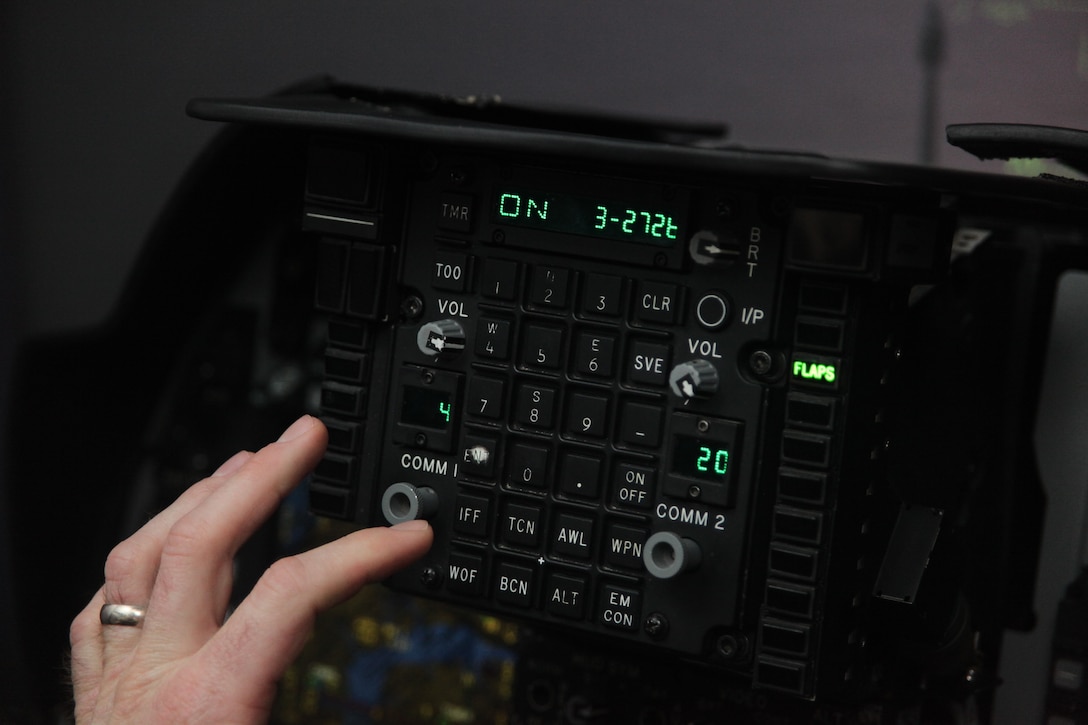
{"type": "Point", "coordinates": [426, 407]}
{"type": "Point", "coordinates": [642, 223]}
{"type": "Point", "coordinates": [701, 458]}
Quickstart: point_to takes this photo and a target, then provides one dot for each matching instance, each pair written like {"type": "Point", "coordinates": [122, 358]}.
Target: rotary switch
{"type": "Point", "coordinates": [694, 379]}
{"type": "Point", "coordinates": [442, 337]}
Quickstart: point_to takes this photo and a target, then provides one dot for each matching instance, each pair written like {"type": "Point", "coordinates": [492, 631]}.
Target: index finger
{"type": "Point", "coordinates": [200, 546]}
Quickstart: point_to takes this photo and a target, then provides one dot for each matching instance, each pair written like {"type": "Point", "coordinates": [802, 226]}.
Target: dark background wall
{"type": "Point", "coordinates": [93, 134]}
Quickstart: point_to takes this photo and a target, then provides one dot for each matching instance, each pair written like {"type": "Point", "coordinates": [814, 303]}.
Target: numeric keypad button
{"type": "Point", "coordinates": [499, 279]}
{"type": "Point", "coordinates": [602, 295]}
{"type": "Point", "coordinates": [640, 424]}
{"type": "Point", "coordinates": [527, 466]}
{"type": "Point", "coordinates": [548, 287]}
{"type": "Point", "coordinates": [542, 346]}
{"type": "Point", "coordinates": [580, 475]}
{"type": "Point", "coordinates": [535, 406]}
{"type": "Point", "coordinates": [493, 338]}
{"type": "Point", "coordinates": [587, 415]}
{"type": "Point", "coordinates": [594, 354]}
{"type": "Point", "coordinates": [485, 397]}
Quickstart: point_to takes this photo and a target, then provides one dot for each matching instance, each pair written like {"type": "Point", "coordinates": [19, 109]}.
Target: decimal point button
{"type": "Point", "coordinates": [404, 502]}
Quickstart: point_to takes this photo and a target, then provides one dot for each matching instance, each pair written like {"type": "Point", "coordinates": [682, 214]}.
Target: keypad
{"type": "Point", "coordinates": [567, 366]}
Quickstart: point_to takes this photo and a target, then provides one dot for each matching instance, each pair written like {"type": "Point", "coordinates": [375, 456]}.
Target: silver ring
{"type": "Point", "coordinates": [125, 615]}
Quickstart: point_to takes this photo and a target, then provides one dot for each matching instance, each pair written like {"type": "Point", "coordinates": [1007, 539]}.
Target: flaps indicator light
{"type": "Point", "coordinates": [813, 370]}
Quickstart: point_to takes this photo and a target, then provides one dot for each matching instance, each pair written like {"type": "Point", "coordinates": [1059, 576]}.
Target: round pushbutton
{"type": "Point", "coordinates": [666, 554]}
{"type": "Point", "coordinates": [712, 311]}
{"type": "Point", "coordinates": [404, 502]}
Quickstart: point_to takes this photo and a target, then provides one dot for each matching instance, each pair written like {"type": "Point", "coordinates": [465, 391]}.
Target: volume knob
{"type": "Point", "coordinates": [694, 379]}
{"type": "Point", "coordinates": [442, 337]}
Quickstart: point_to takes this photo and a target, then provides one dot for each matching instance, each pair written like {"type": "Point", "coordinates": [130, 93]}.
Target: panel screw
{"type": "Point", "coordinates": [421, 439]}
{"type": "Point", "coordinates": [761, 362]}
{"type": "Point", "coordinates": [703, 426]}
{"type": "Point", "coordinates": [430, 577]}
{"type": "Point", "coordinates": [731, 647]}
{"type": "Point", "coordinates": [411, 307]}
{"type": "Point", "coordinates": [660, 260]}
{"type": "Point", "coordinates": [498, 236]}
{"type": "Point", "coordinates": [427, 376]}
{"type": "Point", "coordinates": [724, 208]}
{"type": "Point", "coordinates": [458, 176]}
{"type": "Point", "coordinates": [656, 626]}
{"type": "Point", "coordinates": [694, 492]}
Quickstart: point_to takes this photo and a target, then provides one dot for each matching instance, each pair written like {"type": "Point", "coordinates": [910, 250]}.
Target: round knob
{"type": "Point", "coordinates": [665, 555]}
{"type": "Point", "coordinates": [441, 337]}
{"type": "Point", "coordinates": [404, 502]}
{"type": "Point", "coordinates": [694, 379]}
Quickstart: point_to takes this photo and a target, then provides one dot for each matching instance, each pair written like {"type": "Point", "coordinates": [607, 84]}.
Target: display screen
{"type": "Point", "coordinates": [656, 223]}
{"type": "Point", "coordinates": [702, 458]}
{"type": "Point", "coordinates": [426, 407]}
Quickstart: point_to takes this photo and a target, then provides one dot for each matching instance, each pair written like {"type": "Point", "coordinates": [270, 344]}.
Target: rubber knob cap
{"type": "Point", "coordinates": [666, 554]}
{"type": "Point", "coordinates": [404, 502]}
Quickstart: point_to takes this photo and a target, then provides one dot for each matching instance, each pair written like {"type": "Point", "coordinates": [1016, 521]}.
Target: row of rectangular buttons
{"type": "Point", "coordinates": [633, 483]}
{"type": "Point", "coordinates": [549, 288]}
{"type": "Point", "coordinates": [528, 467]}
{"type": "Point", "coordinates": [536, 406]}
{"type": "Point", "coordinates": [521, 524]}
{"type": "Point", "coordinates": [564, 594]}
{"type": "Point", "coordinates": [646, 363]}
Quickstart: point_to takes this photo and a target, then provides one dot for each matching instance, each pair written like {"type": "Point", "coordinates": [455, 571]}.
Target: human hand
{"type": "Point", "coordinates": [183, 663]}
